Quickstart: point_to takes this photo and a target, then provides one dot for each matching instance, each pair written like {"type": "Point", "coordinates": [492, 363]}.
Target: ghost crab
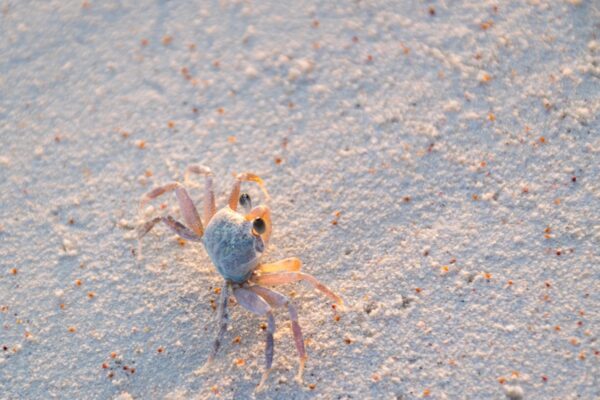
{"type": "Point", "coordinates": [235, 242]}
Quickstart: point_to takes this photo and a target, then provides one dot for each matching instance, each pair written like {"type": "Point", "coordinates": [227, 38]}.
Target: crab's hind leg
{"type": "Point", "coordinates": [222, 319]}
{"type": "Point", "coordinates": [190, 214]}
{"type": "Point", "coordinates": [209, 194]}
{"type": "Point", "coordinates": [257, 305]}
{"type": "Point", "coordinates": [280, 278]}
{"type": "Point", "coordinates": [235, 191]}
{"type": "Point", "coordinates": [276, 299]}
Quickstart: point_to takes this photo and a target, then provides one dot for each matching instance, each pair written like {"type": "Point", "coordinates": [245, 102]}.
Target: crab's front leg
{"type": "Point", "coordinates": [280, 278]}
{"type": "Point", "coordinates": [222, 320]}
{"type": "Point", "coordinates": [257, 305]}
{"type": "Point", "coordinates": [276, 299]}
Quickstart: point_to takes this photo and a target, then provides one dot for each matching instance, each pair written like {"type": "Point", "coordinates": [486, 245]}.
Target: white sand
{"type": "Point", "coordinates": [461, 149]}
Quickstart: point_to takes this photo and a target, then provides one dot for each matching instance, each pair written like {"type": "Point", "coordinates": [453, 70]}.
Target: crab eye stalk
{"type": "Point", "coordinates": [259, 226]}
{"type": "Point", "coordinates": [246, 202]}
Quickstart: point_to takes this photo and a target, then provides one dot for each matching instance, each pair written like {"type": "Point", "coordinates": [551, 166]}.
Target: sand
{"type": "Point", "coordinates": [436, 163]}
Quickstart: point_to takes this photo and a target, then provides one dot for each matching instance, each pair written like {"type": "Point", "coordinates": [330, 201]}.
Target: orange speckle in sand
{"type": "Point", "coordinates": [78, 282]}
{"type": "Point", "coordinates": [147, 173]}
{"type": "Point", "coordinates": [557, 202]}
{"type": "Point", "coordinates": [181, 242]}
{"type": "Point", "coordinates": [426, 393]}
{"type": "Point", "coordinates": [514, 374]}
{"type": "Point", "coordinates": [217, 290]}
{"type": "Point", "coordinates": [418, 290]}
{"type": "Point", "coordinates": [347, 340]}
{"type": "Point", "coordinates": [542, 139]}
{"type": "Point", "coordinates": [375, 377]}
{"type": "Point", "coordinates": [236, 340]}
{"type": "Point", "coordinates": [171, 124]}
{"type": "Point", "coordinates": [445, 269]}
{"type": "Point", "coordinates": [278, 160]}
{"type": "Point", "coordinates": [221, 110]}
{"type": "Point", "coordinates": [486, 25]}
{"type": "Point", "coordinates": [487, 275]}
{"type": "Point", "coordinates": [160, 349]}
{"type": "Point", "coordinates": [582, 356]}
{"type": "Point", "coordinates": [140, 144]}
{"type": "Point", "coordinates": [525, 189]}
{"type": "Point", "coordinates": [113, 355]}
{"type": "Point", "coordinates": [312, 386]}
{"type": "Point", "coordinates": [491, 117]}
{"type": "Point", "coordinates": [336, 317]}
{"type": "Point", "coordinates": [13, 271]}
{"type": "Point", "coordinates": [557, 328]}
{"type": "Point", "coordinates": [485, 78]}
{"type": "Point", "coordinates": [501, 380]}
{"type": "Point", "coordinates": [72, 329]}
{"type": "Point", "coordinates": [475, 197]}
{"type": "Point", "coordinates": [239, 362]}
{"type": "Point", "coordinates": [231, 139]}
{"type": "Point", "coordinates": [62, 306]}
{"type": "Point", "coordinates": [214, 389]}
{"type": "Point", "coordinates": [91, 295]}
{"type": "Point", "coordinates": [104, 366]}
{"type": "Point", "coordinates": [167, 39]}
{"type": "Point", "coordinates": [510, 282]}
{"type": "Point", "coordinates": [144, 42]}
{"type": "Point", "coordinates": [574, 341]}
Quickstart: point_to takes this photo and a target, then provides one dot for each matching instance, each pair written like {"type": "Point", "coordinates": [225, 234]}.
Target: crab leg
{"type": "Point", "coordinates": [209, 195]}
{"type": "Point", "coordinates": [222, 319]}
{"type": "Point", "coordinates": [190, 214]}
{"type": "Point", "coordinates": [257, 305]}
{"type": "Point", "coordinates": [280, 278]}
{"type": "Point", "coordinates": [235, 191]}
{"type": "Point", "coordinates": [175, 226]}
{"type": "Point", "coordinates": [276, 299]}
{"type": "Point", "coordinates": [265, 213]}
{"type": "Point", "coordinates": [291, 264]}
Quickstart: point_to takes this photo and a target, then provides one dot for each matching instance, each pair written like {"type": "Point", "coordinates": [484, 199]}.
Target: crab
{"type": "Point", "coordinates": [235, 242]}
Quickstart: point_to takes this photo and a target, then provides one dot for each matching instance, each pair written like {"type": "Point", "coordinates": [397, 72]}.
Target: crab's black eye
{"type": "Point", "coordinates": [245, 200]}
{"type": "Point", "coordinates": [259, 226]}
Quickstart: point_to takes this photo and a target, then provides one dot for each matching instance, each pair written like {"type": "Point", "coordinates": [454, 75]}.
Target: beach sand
{"type": "Point", "coordinates": [436, 163]}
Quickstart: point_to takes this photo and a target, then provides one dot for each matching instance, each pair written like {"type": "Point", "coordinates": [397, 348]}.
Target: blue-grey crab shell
{"type": "Point", "coordinates": [231, 246]}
